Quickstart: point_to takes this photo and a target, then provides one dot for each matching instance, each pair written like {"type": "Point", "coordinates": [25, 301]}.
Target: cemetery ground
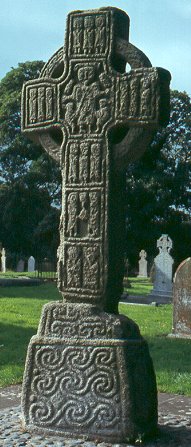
{"type": "Point", "coordinates": [20, 313]}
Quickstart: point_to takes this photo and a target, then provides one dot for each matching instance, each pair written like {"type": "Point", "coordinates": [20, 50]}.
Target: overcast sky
{"type": "Point", "coordinates": [34, 30]}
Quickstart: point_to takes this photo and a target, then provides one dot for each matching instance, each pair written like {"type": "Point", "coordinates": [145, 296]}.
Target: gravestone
{"type": "Point", "coordinates": [20, 266]}
{"type": "Point", "coordinates": [31, 264]}
{"type": "Point", "coordinates": [83, 368]}
{"type": "Point", "coordinates": [142, 264]}
{"type": "Point", "coordinates": [3, 260]}
{"type": "Point", "coordinates": [163, 262]}
{"type": "Point", "coordinates": [182, 300]}
{"type": "Point", "coordinates": [126, 282]}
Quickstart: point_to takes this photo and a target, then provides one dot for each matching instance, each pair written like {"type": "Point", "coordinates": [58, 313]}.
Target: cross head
{"type": "Point", "coordinates": [92, 98]}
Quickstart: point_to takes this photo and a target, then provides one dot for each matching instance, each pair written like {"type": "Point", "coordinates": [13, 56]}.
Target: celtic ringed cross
{"type": "Point", "coordinates": [82, 367]}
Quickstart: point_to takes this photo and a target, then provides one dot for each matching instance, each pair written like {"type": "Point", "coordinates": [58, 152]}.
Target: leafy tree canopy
{"type": "Point", "coordinates": [30, 180]}
{"type": "Point", "coordinates": [158, 196]}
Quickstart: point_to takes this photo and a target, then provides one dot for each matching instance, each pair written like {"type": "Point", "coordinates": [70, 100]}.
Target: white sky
{"type": "Point", "coordinates": [34, 30]}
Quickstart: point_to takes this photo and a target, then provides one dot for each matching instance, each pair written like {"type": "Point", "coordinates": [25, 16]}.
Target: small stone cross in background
{"type": "Point", "coordinates": [143, 264]}
{"type": "Point", "coordinates": [163, 262]}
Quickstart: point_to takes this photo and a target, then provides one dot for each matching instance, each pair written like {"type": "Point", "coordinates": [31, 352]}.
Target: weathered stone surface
{"type": "Point", "coordinates": [163, 262]}
{"type": "Point", "coordinates": [182, 300]}
{"type": "Point", "coordinates": [88, 370]}
{"type": "Point", "coordinates": [31, 264]}
{"type": "Point", "coordinates": [143, 264]}
{"type": "Point", "coordinates": [20, 266]}
{"type": "Point", "coordinates": [84, 378]}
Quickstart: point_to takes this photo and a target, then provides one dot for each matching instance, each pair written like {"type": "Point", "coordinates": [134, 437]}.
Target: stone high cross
{"type": "Point", "coordinates": [94, 117]}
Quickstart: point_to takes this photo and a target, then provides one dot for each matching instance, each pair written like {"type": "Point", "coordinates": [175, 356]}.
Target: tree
{"type": "Point", "coordinates": [159, 188]}
{"type": "Point", "coordinates": [158, 196]}
{"type": "Point", "coordinates": [30, 181]}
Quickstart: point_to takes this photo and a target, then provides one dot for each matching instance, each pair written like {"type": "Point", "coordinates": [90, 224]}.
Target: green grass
{"type": "Point", "coordinates": [139, 286]}
{"type": "Point", "coordinates": [20, 313]}
{"type": "Point", "coordinates": [11, 274]}
{"type": "Point", "coordinates": [171, 357]}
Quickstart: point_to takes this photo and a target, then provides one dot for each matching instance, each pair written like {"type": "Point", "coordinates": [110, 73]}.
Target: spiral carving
{"type": "Point", "coordinates": [75, 385]}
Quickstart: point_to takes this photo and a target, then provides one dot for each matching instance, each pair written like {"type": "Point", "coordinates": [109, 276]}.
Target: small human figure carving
{"type": "Point", "coordinates": [84, 97]}
{"type": "Point", "coordinates": [70, 115]}
{"type": "Point", "coordinates": [84, 162]}
{"type": "Point", "coordinates": [41, 103]}
{"type": "Point", "coordinates": [73, 163]}
{"type": "Point", "coordinates": [145, 106]}
{"type": "Point", "coordinates": [95, 163]}
{"type": "Point", "coordinates": [134, 95]}
{"type": "Point", "coordinates": [154, 94]}
{"type": "Point", "coordinates": [105, 83]}
{"type": "Point", "coordinates": [91, 267]}
{"type": "Point", "coordinates": [83, 213]}
{"type": "Point", "coordinates": [72, 203]}
{"type": "Point", "coordinates": [94, 221]}
{"type": "Point", "coordinates": [32, 105]}
{"type": "Point", "coordinates": [73, 267]}
{"type": "Point", "coordinates": [49, 104]}
{"type": "Point", "coordinates": [100, 34]}
{"type": "Point", "coordinates": [86, 94]}
{"type": "Point", "coordinates": [77, 35]}
{"type": "Point", "coordinates": [102, 114]}
{"type": "Point", "coordinates": [88, 44]}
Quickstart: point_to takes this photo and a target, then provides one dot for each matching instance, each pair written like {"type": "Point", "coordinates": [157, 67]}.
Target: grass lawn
{"type": "Point", "coordinates": [139, 286]}
{"type": "Point", "coordinates": [11, 274]}
{"type": "Point", "coordinates": [19, 317]}
{"type": "Point", "coordinates": [20, 312]}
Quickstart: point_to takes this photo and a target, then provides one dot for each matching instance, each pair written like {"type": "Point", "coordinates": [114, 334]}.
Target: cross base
{"type": "Point", "coordinates": [90, 377]}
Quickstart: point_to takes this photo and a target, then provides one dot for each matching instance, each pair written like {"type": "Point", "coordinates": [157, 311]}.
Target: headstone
{"type": "Point", "coordinates": [142, 264]}
{"type": "Point", "coordinates": [83, 368]}
{"type": "Point", "coordinates": [31, 264]}
{"type": "Point", "coordinates": [182, 300]}
{"type": "Point", "coordinates": [3, 260]}
{"type": "Point", "coordinates": [126, 282]}
{"type": "Point", "coordinates": [163, 262]}
{"type": "Point", "coordinates": [46, 265]}
{"type": "Point", "coordinates": [20, 266]}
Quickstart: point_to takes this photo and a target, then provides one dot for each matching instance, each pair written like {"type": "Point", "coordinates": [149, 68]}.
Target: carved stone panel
{"type": "Point", "coordinates": [138, 96]}
{"type": "Point", "coordinates": [83, 271]}
{"type": "Point", "coordinates": [86, 99]}
{"type": "Point", "coordinates": [64, 321]}
{"type": "Point", "coordinates": [40, 106]}
{"type": "Point", "coordinates": [89, 34]}
{"type": "Point", "coordinates": [62, 372]}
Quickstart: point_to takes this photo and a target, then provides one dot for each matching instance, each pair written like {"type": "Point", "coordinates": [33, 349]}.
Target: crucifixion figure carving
{"type": "Point", "coordinates": [94, 118]}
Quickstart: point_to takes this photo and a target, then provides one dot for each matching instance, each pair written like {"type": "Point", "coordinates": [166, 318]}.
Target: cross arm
{"type": "Point", "coordinates": [143, 98]}
{"type": "Point", "coordinates": [39, 106]}
{"type": "Point", "coordinates": [143, 105]}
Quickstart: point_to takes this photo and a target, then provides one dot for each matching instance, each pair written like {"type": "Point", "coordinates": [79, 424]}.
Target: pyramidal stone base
{"type": "Point", "coordinates": [89, 375]}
